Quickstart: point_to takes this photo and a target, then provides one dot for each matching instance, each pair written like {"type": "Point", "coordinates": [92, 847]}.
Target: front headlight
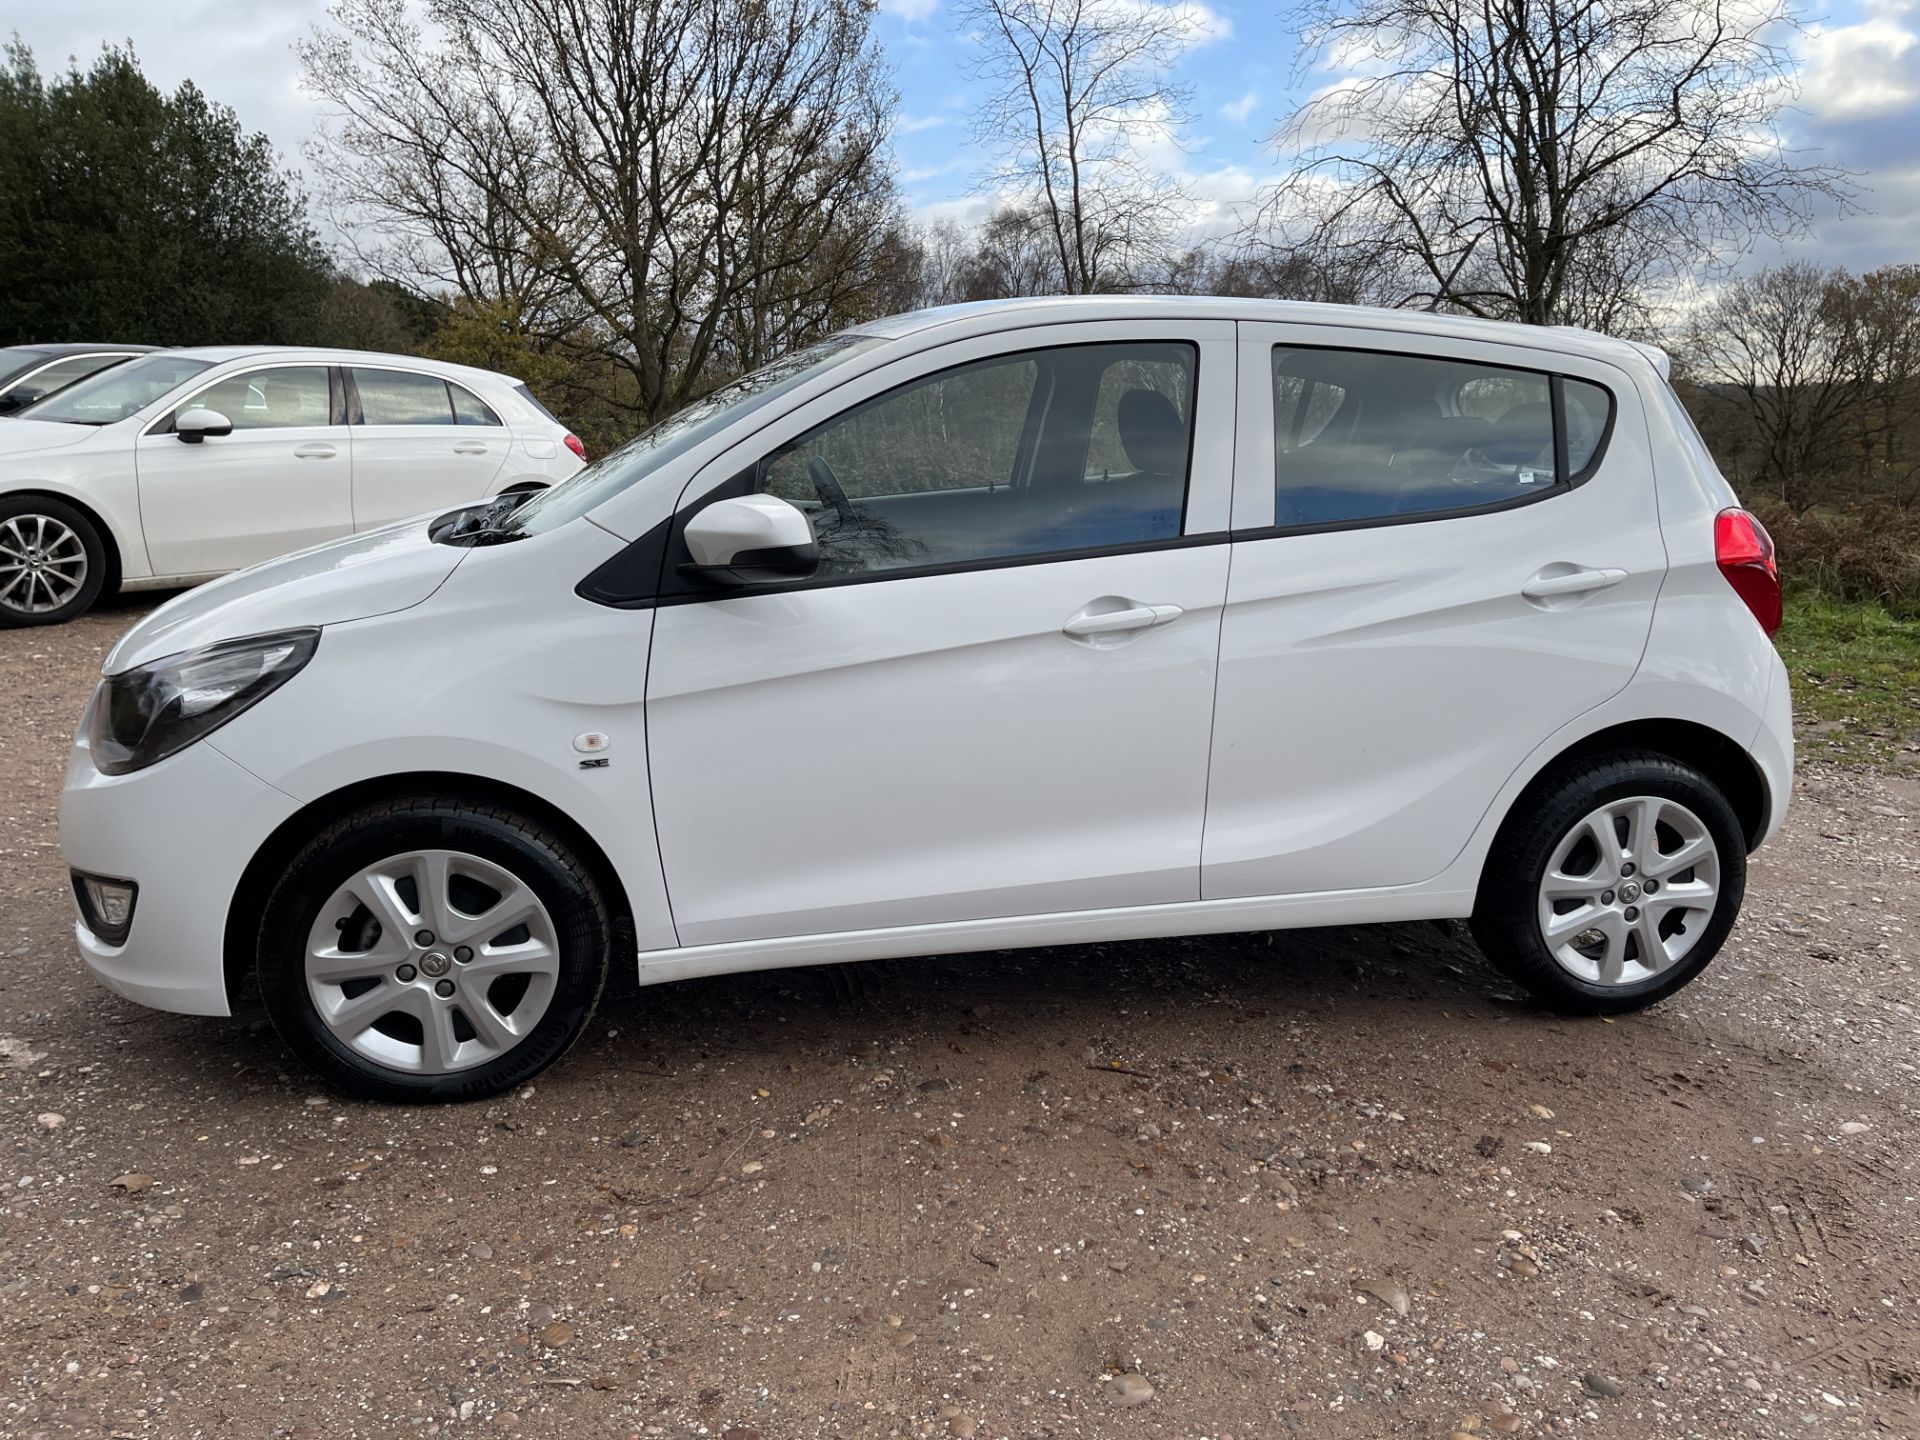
{"type": "Point", "coordinates": [143, 715]}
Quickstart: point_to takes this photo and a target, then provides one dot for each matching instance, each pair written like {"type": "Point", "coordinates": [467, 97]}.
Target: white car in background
{"type": "Point", "coordinates": [182, 465]}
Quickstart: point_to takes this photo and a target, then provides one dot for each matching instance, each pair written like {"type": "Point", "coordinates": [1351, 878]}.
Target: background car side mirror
{"type": "Point", "coordinates": [195, 425]}
{"type": "Point", "coordinates": [750, 539]}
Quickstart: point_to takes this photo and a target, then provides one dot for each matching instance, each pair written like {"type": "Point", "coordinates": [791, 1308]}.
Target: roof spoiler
{"type": "Point", "coordinates": [1657, 356]}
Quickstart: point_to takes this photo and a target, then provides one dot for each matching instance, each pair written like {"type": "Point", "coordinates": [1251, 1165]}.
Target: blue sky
{"type": "Point", "coordinates": [1860, 102]}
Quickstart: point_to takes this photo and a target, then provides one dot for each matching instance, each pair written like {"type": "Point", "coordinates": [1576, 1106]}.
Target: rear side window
{"type": "Point", "coordinates": [1365, 436]}
{"type": "Point", "coordinates": [469, 408]}
{"type": "Point", "coordinates": [1042, 452]}
{"type": "Point", "coordinates": [401, 397]}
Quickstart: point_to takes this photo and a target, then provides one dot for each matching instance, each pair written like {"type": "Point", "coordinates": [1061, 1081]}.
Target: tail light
{"type": "Point", "coordinates": [1744, 551]}
{"type": "Point", "coordinates": [573, 444]}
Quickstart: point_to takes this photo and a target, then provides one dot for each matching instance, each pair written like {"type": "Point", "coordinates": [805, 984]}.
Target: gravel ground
{"type": "Point", "coordinates": [1328, 1183]}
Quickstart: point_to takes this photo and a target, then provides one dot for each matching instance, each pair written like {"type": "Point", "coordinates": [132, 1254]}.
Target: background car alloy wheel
{"type": "Point", "coordinates": [1613, 883]}
{"type": "Point", "coordinates": [1629, 891]}
{"type": "Point", "coordinates": [432, 961]}
{"type": "Point", "coordinates": [51, 561]}
{"type": "Point", "coordinates": [43, 565]}
{"type": "Point", "coordinates": [433, 948]}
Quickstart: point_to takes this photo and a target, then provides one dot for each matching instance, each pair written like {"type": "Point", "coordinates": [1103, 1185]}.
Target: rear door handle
{"type": "Point", "coordinates": [314, 452]}
{"type": "Point", "coordinates": [1091, 622]}
{"type": "Point", "coordinates": [470, 447]}
{"type": "Point", "coordinates": [1571, 582]}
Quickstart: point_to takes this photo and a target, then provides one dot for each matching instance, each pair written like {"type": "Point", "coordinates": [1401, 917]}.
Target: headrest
{"type": "Point", "coordinates": [1152, 433]}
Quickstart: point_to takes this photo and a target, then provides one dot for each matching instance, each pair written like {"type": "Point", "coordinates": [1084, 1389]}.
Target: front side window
{"type": "Point", "coordinates": [1363, 436]}
{"type": "Point", "coordinates": [278, 399]}
{"type": "Point", "coordinates": [400, 397]}
{"type": "Point", "coordinates": [117, 393]}
{"type": "Point", "coordinates": [1068, 449]}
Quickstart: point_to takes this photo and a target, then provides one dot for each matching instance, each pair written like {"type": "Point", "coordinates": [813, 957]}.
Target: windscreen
{"type": "Point", "coordinates": [680, 432]}
{"type": "Point", "coordinates": [117, 393]}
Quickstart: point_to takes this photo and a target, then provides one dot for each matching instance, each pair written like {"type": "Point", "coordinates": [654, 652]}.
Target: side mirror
{"type": "Point", "coordinates": [20, 397]}
{"type": "Point", "coordinates": [750, 539]}
{"type": "Point", "coordinates": [195, 425]}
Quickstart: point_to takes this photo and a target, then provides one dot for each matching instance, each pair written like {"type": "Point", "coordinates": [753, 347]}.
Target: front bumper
{"type": "Point", "coordinates": [184, 831]}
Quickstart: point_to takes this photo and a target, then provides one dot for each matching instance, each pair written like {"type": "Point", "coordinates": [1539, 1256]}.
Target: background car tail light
{"type": "Point", "coordinates": [573, 444]}
{"type": "Point", "coordinates": [1744, 552]}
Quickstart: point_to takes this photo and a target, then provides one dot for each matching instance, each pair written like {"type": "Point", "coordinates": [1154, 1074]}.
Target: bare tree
{"type": "Point", "coordinates": [1531, 159]}
{"type": "Point", "coordinates": [1074, 88]}
{"type": "Point", "coordinates": [1781, 346]}
{"type": "Point", "coordinates": [1884, 315]}
{"type": "Point", "coordinates": [687, 187]}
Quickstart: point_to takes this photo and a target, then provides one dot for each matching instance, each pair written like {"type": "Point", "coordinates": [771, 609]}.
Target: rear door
{"type": "Point", "coordinates": [995, 697]}
{"type": "Point", "coordinates": [1444, 551]}
{"type": "Point", "coordinates": [420, 442]}
{"type": "Point", "coordinates": [281, 481]}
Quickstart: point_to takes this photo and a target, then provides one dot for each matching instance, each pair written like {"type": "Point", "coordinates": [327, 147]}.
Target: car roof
{"type": "Point", "coordinates": [323, 355]}
{"type": "Point", "coordinates": [81, 347]}
{"type": "Point", "coordinates": [985, 316]}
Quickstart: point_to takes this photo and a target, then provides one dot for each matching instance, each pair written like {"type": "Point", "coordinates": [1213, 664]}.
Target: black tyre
{"type": "Point", "coordinates": [431, 949]}
{"type": "Point", "coordinates": [53, 563]}
{"type": "Point", "coordinates": [1613, 883]}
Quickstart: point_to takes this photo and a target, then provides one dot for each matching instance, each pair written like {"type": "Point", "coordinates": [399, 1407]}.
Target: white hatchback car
{"type": "Point", "coordinates": [185, 464]}
{"type": "Point", "coordinates": [1017, 624]}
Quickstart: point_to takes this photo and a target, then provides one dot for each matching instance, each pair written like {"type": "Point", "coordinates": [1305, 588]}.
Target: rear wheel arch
{"type": "Point", "coordinates": [247, 908]}
{"type": "Point", "coordinates": [1721, 759]}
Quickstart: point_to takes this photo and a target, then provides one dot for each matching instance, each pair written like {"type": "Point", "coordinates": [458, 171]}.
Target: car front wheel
{"type": "Point", "coordinates": [1614, 884]}
{"type": "Point", "coordinates": [433, 949]}
{"type": "Point", "coordinates": [53, 564]}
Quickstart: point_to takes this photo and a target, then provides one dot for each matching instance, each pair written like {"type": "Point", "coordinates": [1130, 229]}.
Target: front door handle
{"type": "Point", "coordinates": [1544, 586]}
{"type": "Point", "coordinates": [314, 452]}
{"type": "Point", "coordinates": [1128, 616]}
{"type": "Point", "coordinates": [470, 447]}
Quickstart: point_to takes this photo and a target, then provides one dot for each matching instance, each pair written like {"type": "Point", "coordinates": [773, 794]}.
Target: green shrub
{"type": "Point", "coordinates": [1867, 553]}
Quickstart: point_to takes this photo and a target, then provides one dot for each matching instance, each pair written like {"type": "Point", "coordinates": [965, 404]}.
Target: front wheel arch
{"type": "Point", "coordinates": [108, 540]}
{"type": "Point", "coordinates": [247, 908]}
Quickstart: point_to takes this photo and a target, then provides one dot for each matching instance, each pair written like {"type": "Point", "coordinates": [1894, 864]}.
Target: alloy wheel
{"type": "Point", "coordinates": [1629, 891]}
{"type": "Point", "coordinates": [43, 564]}
{"type": "Point", "coordinates": [432, 962]}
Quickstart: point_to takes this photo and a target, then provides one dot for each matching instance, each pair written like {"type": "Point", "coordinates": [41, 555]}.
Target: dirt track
{"type": "Point", "coordinates": [964, 1196]}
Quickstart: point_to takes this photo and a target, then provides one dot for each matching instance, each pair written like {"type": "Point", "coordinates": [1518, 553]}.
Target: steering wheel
{"type": "Point", "coordinates": [827, 486]}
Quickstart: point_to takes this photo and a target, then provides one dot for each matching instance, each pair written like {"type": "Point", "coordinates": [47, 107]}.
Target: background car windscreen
{"type": "Point", "coordinates": [122, 391]}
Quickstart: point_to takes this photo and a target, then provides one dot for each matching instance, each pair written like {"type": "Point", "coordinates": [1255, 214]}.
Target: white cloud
{"type": "Point", "coordinates": [913, 12]}
{"type": "Point", "coordinates": [1243, 107]}
{"type": "Point", "coordinates": [914, 124]}
{"type": "Point", "coordinates": [1870, 68]}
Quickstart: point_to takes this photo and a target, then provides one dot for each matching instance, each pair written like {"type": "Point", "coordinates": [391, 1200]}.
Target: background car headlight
{"type": "Point", "coordinates": [143, 715]}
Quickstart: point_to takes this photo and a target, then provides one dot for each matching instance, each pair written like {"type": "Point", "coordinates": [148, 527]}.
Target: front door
{"type": "Point", "coordinates": [1444, 552]}
{"type": "Point", "coordinates": [281, 481]}
{"type": "Point", "coordinates": [995, 697]}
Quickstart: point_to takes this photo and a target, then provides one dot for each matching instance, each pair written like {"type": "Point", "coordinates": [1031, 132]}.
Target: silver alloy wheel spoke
{"type": "Point", "coordinates": [43, 564]}
{"type": "Point", "coordinates": [396, 931]}
{"type": "Point", "coordinates": [1629, 891]}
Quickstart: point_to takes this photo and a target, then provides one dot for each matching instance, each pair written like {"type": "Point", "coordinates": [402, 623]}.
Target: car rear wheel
{"type": "Point", "coordinates": [52, 561]}
{"type": "Point", "coordinates": [433, 949]}
{"type": "Point", "coordinates": [1614, 884]}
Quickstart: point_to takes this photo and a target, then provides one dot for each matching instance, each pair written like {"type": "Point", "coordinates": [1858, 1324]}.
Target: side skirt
{"type": "Point", "coordinates": [1138, 922]}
